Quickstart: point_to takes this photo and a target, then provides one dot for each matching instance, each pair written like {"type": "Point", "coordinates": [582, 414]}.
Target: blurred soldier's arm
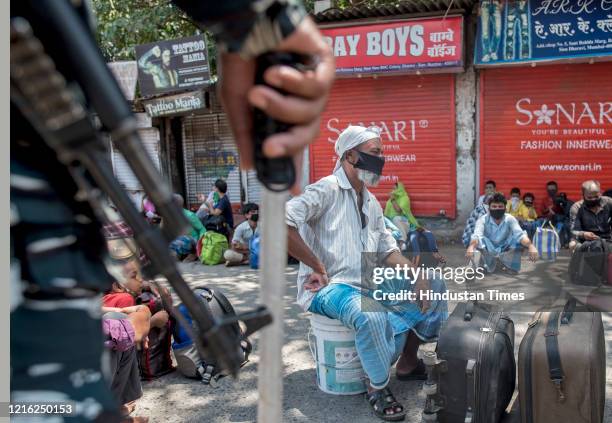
{"type": "Point", "coordinates": [244, 29]}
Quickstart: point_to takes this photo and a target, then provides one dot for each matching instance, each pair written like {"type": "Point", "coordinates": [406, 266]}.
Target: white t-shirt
{"type": "Point", "coordinates": [243, 233]}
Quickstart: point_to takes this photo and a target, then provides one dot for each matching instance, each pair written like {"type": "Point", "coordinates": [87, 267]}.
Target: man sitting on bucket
{"type": "Point", "coordinates": [332, 227]}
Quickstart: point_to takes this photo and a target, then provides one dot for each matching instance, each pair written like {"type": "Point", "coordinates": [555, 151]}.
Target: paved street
{"type": "Point", "coordinates": [176, 399]}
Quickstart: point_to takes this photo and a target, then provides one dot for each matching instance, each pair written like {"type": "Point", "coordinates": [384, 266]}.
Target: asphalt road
{"type": "Point", "coordinates": [176, 399]}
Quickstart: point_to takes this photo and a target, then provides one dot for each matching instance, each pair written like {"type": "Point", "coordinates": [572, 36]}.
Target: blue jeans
{"type": "Point", "coordinates": [530, 227]}
{"type": "Point", "coordinates": [414, 241]}
{"type": "Point", "coordinates": [379, 335]}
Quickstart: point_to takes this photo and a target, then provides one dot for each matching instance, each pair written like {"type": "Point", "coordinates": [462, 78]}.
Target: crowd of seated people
{"type": "Point", "coordinates": [496, 235]}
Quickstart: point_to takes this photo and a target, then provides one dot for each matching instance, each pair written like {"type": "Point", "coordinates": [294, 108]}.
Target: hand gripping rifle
{"type": "Point", "coordinates": [41, 93]}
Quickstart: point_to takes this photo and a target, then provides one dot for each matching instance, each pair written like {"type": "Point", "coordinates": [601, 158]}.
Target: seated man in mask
{"type": "Point", "coordinates": [239, 253]}
{"type": "Point", "coordinates": [594, 217]}
{"type": "Point", "coordinates": [498, 237]}
{"type": "Point", "coordinates": [332, 226]}
{"type": "Point", "coordinates": [586, 213]}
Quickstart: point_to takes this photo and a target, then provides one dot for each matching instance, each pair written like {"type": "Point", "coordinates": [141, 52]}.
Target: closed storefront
{"type": "Point", "coordinates": [418, 135]}
{"type": "Point", "coordinates": [150, 140]}
{"type": "Point", "coordinates": [546, 123]}
{"type": "Point", "coordinates": [209, 153]}
{"type": "Point", "coordinates": [387, 84]}
{"type": "Point", "coordinates": [545, 95]}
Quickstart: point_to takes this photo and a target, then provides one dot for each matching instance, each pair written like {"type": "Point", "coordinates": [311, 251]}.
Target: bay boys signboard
{"type": "Point", "coordinates": [398, 47]}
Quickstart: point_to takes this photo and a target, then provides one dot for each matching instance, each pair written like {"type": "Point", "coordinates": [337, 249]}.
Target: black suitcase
{"type": "Point", "coordinates": [474, 376]}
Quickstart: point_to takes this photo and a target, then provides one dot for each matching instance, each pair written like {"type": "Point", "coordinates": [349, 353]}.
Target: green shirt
{"type": "Point", "coordinates": [403, 201]}
{"type": "Point", "coordinates": [197, 229]}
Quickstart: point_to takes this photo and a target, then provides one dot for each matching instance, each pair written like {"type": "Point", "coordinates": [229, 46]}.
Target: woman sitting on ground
{"type": "Point", "coordinates": [398, 210]}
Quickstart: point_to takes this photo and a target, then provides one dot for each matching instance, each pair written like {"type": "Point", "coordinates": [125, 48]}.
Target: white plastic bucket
{"type": "Point", "coordinates": [332, 345]}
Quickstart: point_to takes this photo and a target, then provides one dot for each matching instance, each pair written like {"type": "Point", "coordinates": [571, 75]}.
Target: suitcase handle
{"type": "Point", "coordinates": [469, 311]}
{"type": "Point", "coordinates": [568, 311]}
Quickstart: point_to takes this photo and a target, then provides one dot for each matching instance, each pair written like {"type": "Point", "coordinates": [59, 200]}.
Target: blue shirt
{"type": "Point", "coordinates": [226, 210]}
{"type": "Point", "coordinates": [508, 232]}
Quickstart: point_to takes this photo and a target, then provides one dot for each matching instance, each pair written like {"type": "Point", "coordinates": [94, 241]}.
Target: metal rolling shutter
{"type": "Point", "coordinates": [123, 173]}
{"type": "Point", "coordinates": [254, 188]}
{"type": "Point", "coordinates": [417, 115]}
{"type": "Point", "coordinates": [535, 127]}
{"type": "Point", "coordinates": [209, 153]}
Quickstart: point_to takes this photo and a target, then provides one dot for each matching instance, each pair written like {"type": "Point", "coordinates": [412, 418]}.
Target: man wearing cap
{"type": "Point", "coordinates": [333, 226]}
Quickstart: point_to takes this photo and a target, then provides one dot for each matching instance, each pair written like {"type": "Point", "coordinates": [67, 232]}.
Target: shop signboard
{"type": "Point", "coordinates": [406, 46]}
{"type": "Point", "coordinates": [511, 32]}
{"type": "Point", "coordinates": [175, 104]}
{"type": "Point", "coordinates": [172, 65]}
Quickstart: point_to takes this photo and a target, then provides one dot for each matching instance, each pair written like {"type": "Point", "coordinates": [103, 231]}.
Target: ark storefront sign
{"type": "Point", "coordinates": [533, 30]}
{"type": "Point", "coordinates": [172, 65]}
{"type": "Point", "coordinates": [175, 104]}
{"type": "Point", "coordinates": [398, 47]}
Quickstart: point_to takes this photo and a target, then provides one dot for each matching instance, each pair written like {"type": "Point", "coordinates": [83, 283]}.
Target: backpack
{"type": "Point", "coordinates": [216, 224]}
{"type": "Point", "coordinates": [188, 360]}
{"type": "Point", "coordinates": [155, 361]}
{"type": "Point", "coordinates": [213, 246]}
{"type": "Point", "coordinates": [546, 240]}
{"type": "Point", "coordinates": [254, 251]}
{"type": "Point", "coordinates": [590, 263]}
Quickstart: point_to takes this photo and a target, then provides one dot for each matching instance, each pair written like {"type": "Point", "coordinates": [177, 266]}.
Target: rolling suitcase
{"type": "Point", "coordinates": [475, 372]}
{"type": "Point", "coordinates": [562, 367]}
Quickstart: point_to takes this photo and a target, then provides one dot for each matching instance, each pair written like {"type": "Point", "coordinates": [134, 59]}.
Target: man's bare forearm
{"type": "Point", "coordinates": [300, 251]}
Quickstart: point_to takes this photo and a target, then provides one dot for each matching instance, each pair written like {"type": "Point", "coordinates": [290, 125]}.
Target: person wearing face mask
{"type": "Point", "coordinates": [239, 253]}
{"type": "Point", "coordinates": [550, 210]}
{"type": "Point", "coordinates": [490, 187]}
{"type": "Point", "coordinates": [573, 213]}
{"type": "Point", "coordinates": [498, 237]}
{"type": "Point", "coordinates": [527, 215]}
{"type": "Point", "coordinates": [514, 204]}
{"type": "Point", "coordinates": [594, 217]}
{"type": "Point", "coordinates": [330, 227]}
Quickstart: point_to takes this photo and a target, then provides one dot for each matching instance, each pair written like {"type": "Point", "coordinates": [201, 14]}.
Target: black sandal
{"type": "Point", "coordinates": [419, 373]}
{"type": "Point", "coordinates": [384, 400]}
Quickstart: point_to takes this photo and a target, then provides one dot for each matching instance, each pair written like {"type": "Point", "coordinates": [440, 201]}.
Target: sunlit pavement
{"type": "Point", "coordinates": [176, 399]}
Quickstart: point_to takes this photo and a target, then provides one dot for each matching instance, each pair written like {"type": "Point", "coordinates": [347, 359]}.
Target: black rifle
{"type": "Point", "coordinates": [41, 93]}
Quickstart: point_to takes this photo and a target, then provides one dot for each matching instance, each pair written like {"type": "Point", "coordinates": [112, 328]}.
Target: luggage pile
{"type": "Point", "coordinates": [561, 367]}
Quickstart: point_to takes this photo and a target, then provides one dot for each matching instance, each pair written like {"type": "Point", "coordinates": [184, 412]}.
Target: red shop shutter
{"type": "Point", "coordinates": [546, 123]}
{"type": "Point", "coordinates": [417, 116]}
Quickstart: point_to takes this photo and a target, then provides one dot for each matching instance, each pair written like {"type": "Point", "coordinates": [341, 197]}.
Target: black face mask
{"type": "Point", "coordinates": [497, 213]}
{"type": "Point", "coordinates": [592, 203]}
{"type": "Point", "coordinates": [254, 217]}
{"type": "Point", "coordinates": [552, 192]}
{"type": "Point", "coordinates": [528, 203]}
{"type": "Point", "coordinates": [370, 162]}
